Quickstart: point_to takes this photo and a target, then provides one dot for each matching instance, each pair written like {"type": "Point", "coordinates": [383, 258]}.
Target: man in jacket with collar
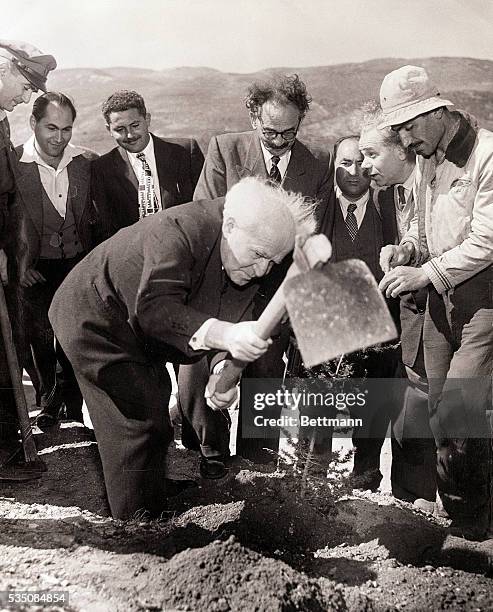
{"type": "Point", "coordinates": [172, 287]}
{"type": "Point", "coordinates": [391, 168]}
{"type": "Point", "coordinates": [271, 150]}
{"type": "Point", "coordinates": [23, 70]}
{"type": "Point", "coordinates": [449, 249]}
{"type": "Point", "coordinates": [144, 173]}
{"type": "Point", "coordinates": [53, 226]}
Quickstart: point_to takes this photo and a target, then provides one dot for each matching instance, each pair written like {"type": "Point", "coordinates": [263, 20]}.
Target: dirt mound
{"type": "Point", "coordinates": [226, 576]}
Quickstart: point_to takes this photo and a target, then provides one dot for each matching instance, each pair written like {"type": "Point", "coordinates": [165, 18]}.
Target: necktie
{"type": "Point", "coordinates": [148, 204]}
{"type": "Point", "coordinates": [401, 197]}
{"type": "Point", "coordinates": [274, 173]}
{"type": "Point", "coordinates": [351, 223]}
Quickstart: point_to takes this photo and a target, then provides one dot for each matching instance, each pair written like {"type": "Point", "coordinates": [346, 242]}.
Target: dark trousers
{"type": "Point", "coordinates": [127, 393]}
{"type": "Point", "coordinates": [458, 350]}
{"type": "Point", "coordinates": [376, 416]}
{"type": "Point", "coordinates": [56, 379]}
{"type": "Point", "coordinates": [209, 430]}
{"type": "Point", "coordinates": [413, 473]}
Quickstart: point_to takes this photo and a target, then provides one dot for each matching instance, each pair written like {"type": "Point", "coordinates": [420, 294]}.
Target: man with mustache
{"type": "Point", "coordinates": [449, 249]}
{"type": "Point", "coordinates": [23, 70]}
{"type": "Point", "coordinates": [271, 150]}
{"type": "Point", "coordinates": [144, 173]}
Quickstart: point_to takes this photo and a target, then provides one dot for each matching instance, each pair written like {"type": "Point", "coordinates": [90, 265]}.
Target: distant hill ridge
{"type": "Point", "coordinates": [201, 102]}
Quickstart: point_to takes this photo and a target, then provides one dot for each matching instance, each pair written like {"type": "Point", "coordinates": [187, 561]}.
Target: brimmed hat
{"type": "Point", "coordinates": [30, 62]}
{"type": "Point", "coordinates": [406, 93]}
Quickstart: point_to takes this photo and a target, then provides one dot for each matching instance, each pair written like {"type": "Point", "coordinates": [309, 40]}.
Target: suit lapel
{"type": "Point", "coordinates": [166, 170]}
{"type": "Point", "coordinates": [78, 176]}
{"type": "Point", "coordinates": [30, 188]}
{"type": "Point", "coordinates": [296, 167]}
{"type": "Point", "coordinates": [123, 167]}
{"type": "Point", "coordinates": [254, 160]}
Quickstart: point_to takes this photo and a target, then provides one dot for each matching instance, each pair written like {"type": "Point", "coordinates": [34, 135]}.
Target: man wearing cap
{"type": "Point", "coordinates": [23, 69]}
{"type": "Point", "coordinates": [449, 250]}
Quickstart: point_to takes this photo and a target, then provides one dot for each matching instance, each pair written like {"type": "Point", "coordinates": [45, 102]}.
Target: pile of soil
{"type": "Point", "coordinates": [251, 541]}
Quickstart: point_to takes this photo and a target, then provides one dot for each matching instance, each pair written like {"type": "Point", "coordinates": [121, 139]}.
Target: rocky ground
{"type": "Point", "coordinates": [260, 539]}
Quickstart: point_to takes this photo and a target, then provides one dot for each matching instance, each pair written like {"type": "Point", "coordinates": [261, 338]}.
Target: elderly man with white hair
{"type": "Point", "coordinates": [172, 287]}
{"type": "Point", "coordinates": [449, 250]}
{"type": "Point", "coordinates": [23, 70]}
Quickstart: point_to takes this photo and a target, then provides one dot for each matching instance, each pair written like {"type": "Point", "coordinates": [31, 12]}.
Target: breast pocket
{"type": "Point", "coordinates": [453, 213]}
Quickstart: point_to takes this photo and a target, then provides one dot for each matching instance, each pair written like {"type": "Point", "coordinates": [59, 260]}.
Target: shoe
{"type": "Point", "coordinates": [50, 416]}
{"type": "Point", "coordinates": [175, 487]}
{"type": "Point", "coordinates": [18, 473]}
{"type": "Point", "coordinates": [212, 469]}
{"type": "Point", "coordinates": [475, 532]}
{"type": "Point", "coordinates": [367, 481]}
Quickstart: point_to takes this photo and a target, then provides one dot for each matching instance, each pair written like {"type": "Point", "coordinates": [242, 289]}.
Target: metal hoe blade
{"type": "Point", "coordinates": [336, 311]}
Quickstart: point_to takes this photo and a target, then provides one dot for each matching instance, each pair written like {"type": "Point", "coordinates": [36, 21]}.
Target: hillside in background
{"type": "Point", "coordinates": [201, 102]}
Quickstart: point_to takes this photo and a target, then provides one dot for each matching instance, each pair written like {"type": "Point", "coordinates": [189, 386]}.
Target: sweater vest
{"type": "Point", "coordinates": [366, 245]}
{"type": "Point", "coordinates": [60, 238]}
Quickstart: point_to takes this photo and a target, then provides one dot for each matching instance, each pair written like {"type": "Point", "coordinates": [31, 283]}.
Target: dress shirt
{"type": "Point", "coordinates": [151, 160]}
{"type": "Point", "coordinates": [55, 181]}
{"type": "Point", "coordinates": [283, 160]}
{"type": "Point", "coordinates": [404, 214]}
{"type": "Point", "coordinates": [360, 211]}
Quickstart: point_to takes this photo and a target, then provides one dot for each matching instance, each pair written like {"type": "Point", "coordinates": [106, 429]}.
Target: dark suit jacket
{"type": "Point", "coordinates": [26, 213]}
{"type": "Point", "coordinates": [231, 157]}
{"type": "Point", "coordinates": [163, 289]}
{"type": "Point", "coordinates": [114, 184]}
{"type": "Point", "coordinates": [8, 169]}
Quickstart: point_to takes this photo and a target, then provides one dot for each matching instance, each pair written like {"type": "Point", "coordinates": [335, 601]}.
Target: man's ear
{"type": "Point", "coordinates": [228, 226]}
{"type": "Point", "coordinates": [108, 127]}
{"type": "Point", "coordinates": [148, 119]}
{"type": "Point", "coordinates": [438, 112]}
{"type": "Point", "coordinates": [32, 122]}
{"type": "Point", "coordinates": [401, 153]}
{"type": "Point", "coordinates": [4, 68]}
{"type": "Point", "coordinates": [253, 119]}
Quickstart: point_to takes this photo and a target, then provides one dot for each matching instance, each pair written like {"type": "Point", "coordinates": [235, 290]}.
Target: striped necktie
{"type": "Point", "coordinates": [148, 203]}
{"type": "Point", "coordinates": [275, 174]}
{"type": "Point", "coordinates": [351, 223]}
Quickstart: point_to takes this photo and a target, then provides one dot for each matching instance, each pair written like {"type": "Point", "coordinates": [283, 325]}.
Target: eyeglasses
{"type": "Point", "coordinates": [287, 135]}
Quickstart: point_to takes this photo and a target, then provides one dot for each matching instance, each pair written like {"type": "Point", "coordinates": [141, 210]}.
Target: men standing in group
{"type": "Point", "coordinates": [271, 150]}
{"type": "Point", "coordinates": [144, 173]}
{"type": "Point", "coordinates": [53, 226]}
{"type": "Point", "coordinates": [449, 250]}
{"type": "Point", "coordinates": [391, 167]}
{"type": "Point", "coordinates": [356, 230]}
{"type": "Point", "coordinates": [169, 288]}
{"type": "Point", "coordinates": [23, 70]}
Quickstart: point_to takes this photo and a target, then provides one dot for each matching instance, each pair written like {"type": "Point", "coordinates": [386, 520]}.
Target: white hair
{"type": "Point", "coordinates": [259, 206]}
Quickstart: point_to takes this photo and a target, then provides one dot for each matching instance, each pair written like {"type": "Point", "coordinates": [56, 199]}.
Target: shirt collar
{"type": "Point", "coordinates": [30, 153]}
{"type": "Point", "coordinates": [148, 151]}
{"type": "Point", "coordinates": [345, 202]}
{"type": "Point", "coordinates": [408, 183]}
{"type": "Point", "coordinates": [462, 143]}
{"type": "Point", "coordinates": [268, 155]}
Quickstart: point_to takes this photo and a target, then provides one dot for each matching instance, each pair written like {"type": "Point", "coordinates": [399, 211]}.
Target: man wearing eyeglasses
{"type": "Point", "coordinates": [272, 150]}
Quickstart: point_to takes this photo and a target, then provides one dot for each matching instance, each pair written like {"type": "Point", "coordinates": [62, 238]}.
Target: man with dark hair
{"type": "Point", "coordinates": [53, 227]}
{"type": "Point", "coordinates": [391, 166]}
{"type": "Point", "coordinates": [449, 249]}
{"type": "Point", "coordinates": [23, 69]}
{"type": "Point", "coordinates": [356, 228]}
{"type": "Point", "coordinates": [144, 173]}
{"type": "Point", "coordinates": [170, 288]}
{"type": "Point", "coordinates": [270, 151]}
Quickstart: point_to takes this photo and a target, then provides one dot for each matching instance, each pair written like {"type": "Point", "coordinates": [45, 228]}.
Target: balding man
{"type": "Point", "coordinates": [170, 288]}
{"type": "Point", "coordinates": [23, 70]}
{"type": "Point", "coordinates": [449, 249]}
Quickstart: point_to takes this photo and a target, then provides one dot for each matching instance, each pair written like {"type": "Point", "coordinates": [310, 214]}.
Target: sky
{"type": "Point", "coordinates": [247, 35]}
